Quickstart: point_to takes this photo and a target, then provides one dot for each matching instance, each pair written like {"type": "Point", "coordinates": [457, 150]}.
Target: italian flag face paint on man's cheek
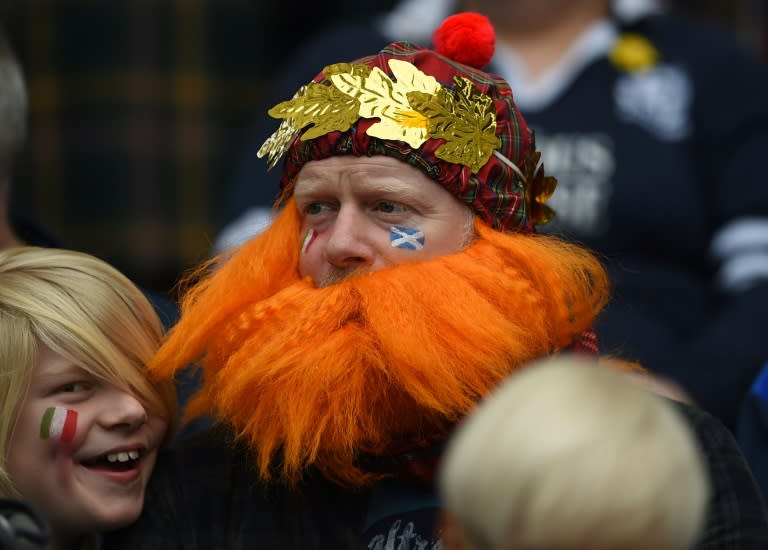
{"type": "Point", "coordinates": [59, 423]}
{"type": "Point", "coordinates": [308, 239]}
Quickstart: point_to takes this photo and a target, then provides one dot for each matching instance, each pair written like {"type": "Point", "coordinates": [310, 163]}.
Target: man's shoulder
{"type": "Point", "coordinates": [737, 515]}
{"type": "Point", "coordinates": [700, 419]}
{"type": "Point", "coordinates": [715, 439]}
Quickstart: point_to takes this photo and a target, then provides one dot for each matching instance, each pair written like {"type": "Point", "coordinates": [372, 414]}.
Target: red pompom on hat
{"type": "Point", "coordinates": [466, 37]}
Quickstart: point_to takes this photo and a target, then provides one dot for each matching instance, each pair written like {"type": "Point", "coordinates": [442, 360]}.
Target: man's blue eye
{"type": "Point", "coordinates": [389, 207]}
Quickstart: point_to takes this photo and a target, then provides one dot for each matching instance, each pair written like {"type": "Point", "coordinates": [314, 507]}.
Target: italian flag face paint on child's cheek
{"type": "Point", "coordinates": [59, 423]}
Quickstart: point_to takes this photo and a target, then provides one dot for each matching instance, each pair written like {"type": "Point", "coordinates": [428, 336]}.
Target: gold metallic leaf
{"type": "Point", "coordinates": [278, 143]}
{"type": "Point", "coordinates": [538, 189]}
{"type": "Point", "coordinates": [281, 139]}
{"type": "Point", "coordinates": [330, 110]}
{"type": "Point", "coordinates": [381, 97]}
{"type": "Point", "coordinates": [355, 69]}
{"type": "Point", "coordinates": [412, 107]}
{"type": "Point", "coordinates": [465, 118]}
{"type": "Point", "coordinates": [324, 106]}
{"type": "Point", "coordinates": [544, 214]}
{"type": "Point", "coordinates": [411, 79]}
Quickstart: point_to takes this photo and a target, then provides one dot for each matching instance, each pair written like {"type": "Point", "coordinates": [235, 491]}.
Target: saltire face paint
{"type": "Point", "coordinates": [309, 238]}
{"type": "Point", "coordinates": [410, 238]}
{"type": "Point", "coordinates": [59, 423]}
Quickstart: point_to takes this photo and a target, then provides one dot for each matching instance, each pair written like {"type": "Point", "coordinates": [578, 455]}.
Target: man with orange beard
{"type": "Point", "coordinates": [400, 282]}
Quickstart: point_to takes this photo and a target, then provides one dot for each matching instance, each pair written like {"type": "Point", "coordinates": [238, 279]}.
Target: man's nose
{"type": "Point", "coordinates": [123, 410]}
{"type": "Point", "coordinates": [349, 242]}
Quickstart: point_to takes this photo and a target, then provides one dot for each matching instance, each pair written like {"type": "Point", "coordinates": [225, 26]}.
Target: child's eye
{"type": "Point", "coordinates": [74, 387]}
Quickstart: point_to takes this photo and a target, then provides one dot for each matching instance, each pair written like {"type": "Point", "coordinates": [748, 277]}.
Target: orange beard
{"type": "Point", "coordinates": [317, 376]}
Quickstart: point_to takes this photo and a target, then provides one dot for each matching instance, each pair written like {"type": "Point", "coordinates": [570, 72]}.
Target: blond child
{"type": "Point", "coordinates": [80, 422]}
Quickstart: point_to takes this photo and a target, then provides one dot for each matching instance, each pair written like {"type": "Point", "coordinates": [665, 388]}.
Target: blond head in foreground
{"type": "Point", "coordinates": [566, 455]}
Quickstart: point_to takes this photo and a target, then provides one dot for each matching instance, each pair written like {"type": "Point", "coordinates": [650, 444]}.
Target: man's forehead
{"type": "Point", "coordinates": [376, 172]}
{"type": "Point", "coordinates": [342, 162]}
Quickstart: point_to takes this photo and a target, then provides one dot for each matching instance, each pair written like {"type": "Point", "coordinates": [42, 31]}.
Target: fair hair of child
{"type": "Point", "coordinates": [86, 311]}
{"type": "Point", "coordinates": [569, 455]}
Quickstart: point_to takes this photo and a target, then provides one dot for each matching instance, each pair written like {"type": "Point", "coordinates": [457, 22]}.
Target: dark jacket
{"type": "Point", "coordinates": [205, 496]}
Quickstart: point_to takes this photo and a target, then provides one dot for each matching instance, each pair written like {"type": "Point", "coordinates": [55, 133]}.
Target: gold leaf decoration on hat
{"type": "Point", "coordinates": [386, 99]}
{"type": "Point", "coordinates": [538, 189]}
{"type": "Point", "coordinates": [465, 119]}
{"type": "Point", "coordinates": [411, 106]}
{"type": "Point", "coordinates": [278, 143]}
{"type": "Point", "coordinates": [322, 106]}
{"type": "Point", "coordinates": [329, 110]}
{"type": "Point", "coordinates": [356, 69]}
{"type": "Point", "coordinates": [325, 107]}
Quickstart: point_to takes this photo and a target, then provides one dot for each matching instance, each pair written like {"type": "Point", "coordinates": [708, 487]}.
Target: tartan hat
{"type": "Point", "coordinates": [433, 109]}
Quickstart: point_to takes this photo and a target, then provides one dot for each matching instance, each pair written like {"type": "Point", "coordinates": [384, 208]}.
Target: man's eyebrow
{"type": "Point", "coordinates": [386, 188]}
{"type": "Point", "coordinates": [383, 186]}
{"type": "Point", "coordinates": [308, 186]}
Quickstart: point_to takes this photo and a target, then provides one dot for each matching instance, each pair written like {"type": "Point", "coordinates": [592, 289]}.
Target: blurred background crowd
{"type": "Point", "coordinates": [138, 113]}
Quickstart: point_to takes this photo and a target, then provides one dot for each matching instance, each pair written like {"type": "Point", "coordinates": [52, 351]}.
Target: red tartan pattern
{"type": "Point", "coordinates": [495, 193]}
{"type": "Point", "coordinates": [586, 343]}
